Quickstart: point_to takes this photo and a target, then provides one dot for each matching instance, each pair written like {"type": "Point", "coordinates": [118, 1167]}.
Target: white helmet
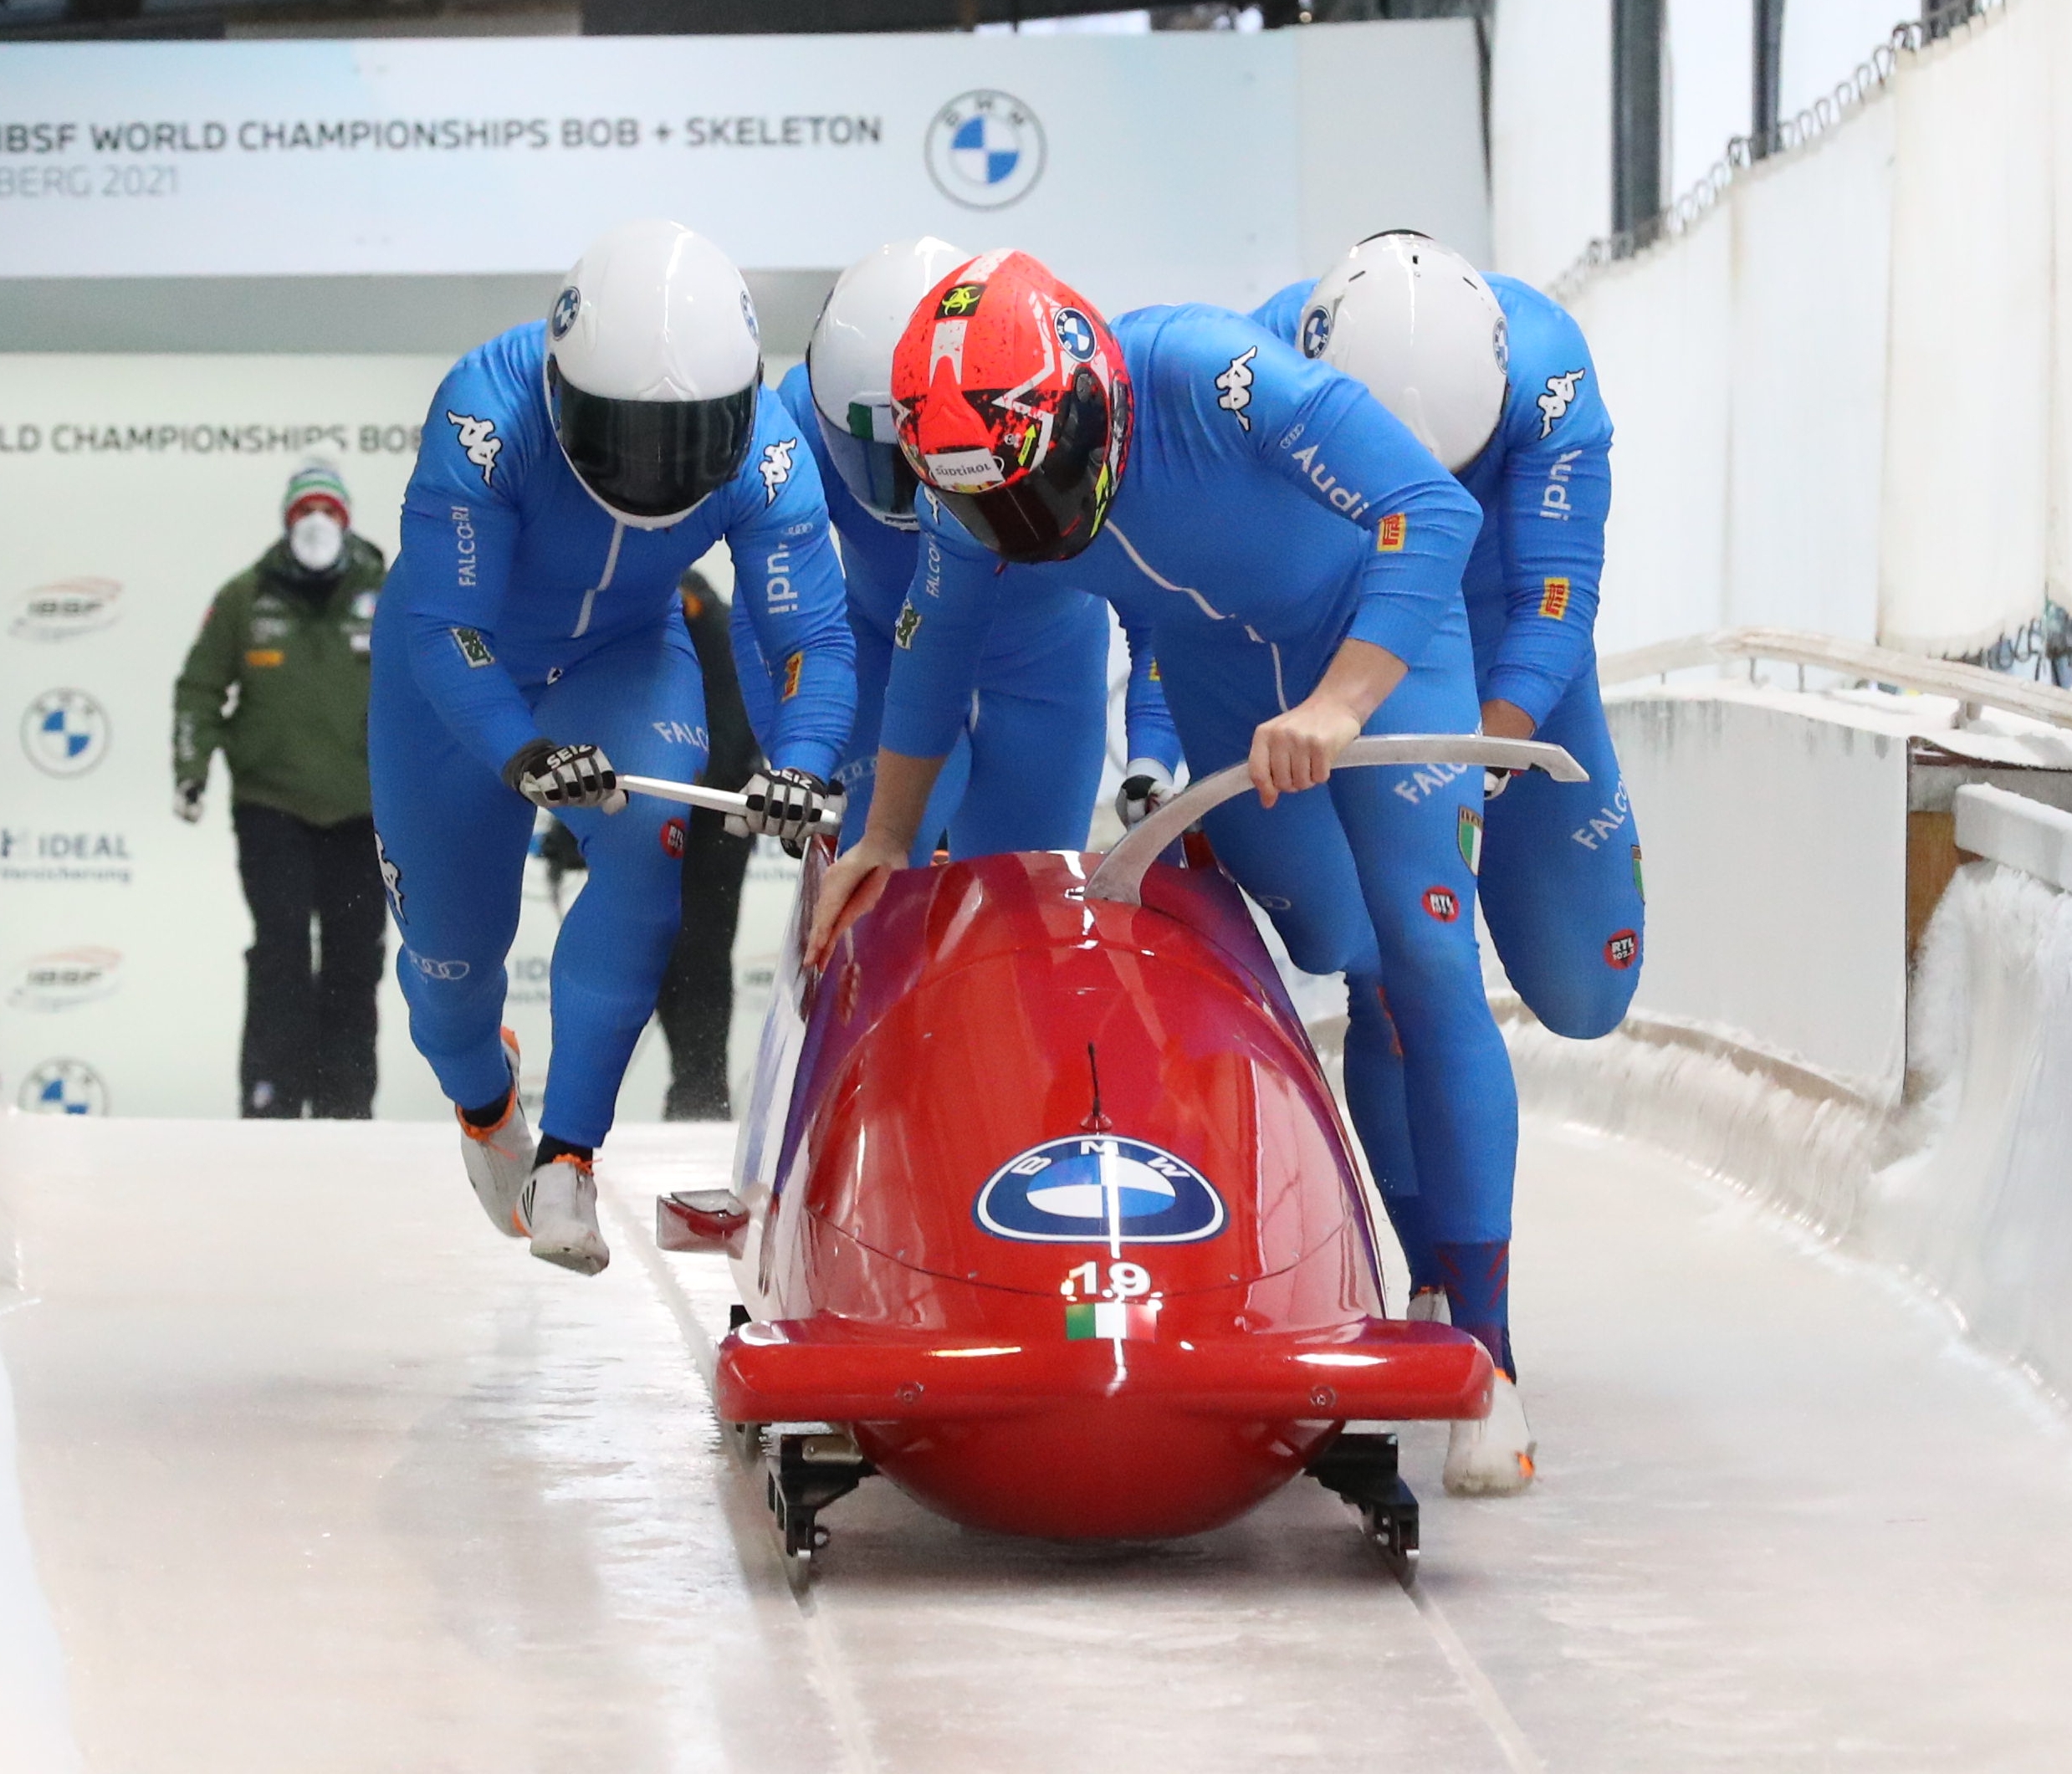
{"type": "Point", "coordinates": [653, 361]}
{"type": "Point", "coordinates": [1415, 322]}
{"type": "Point", "coordinates": [849, 364]}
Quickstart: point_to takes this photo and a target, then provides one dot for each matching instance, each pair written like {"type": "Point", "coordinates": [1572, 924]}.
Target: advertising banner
{"type": "Point", "coordinates": [1172, 166]}
{"type": "Point", "coordinates": [134, 486]}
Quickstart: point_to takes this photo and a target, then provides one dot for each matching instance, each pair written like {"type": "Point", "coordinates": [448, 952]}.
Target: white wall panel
{"type": "Point", "coordinates": [1550, 133]}
{"type": "Point", "coordinates": [1775, 847]}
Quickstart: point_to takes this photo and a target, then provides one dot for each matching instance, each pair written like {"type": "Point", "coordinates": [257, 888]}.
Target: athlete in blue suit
{"type": "Point", "coordinates": [1023, 772]}
{"type": "Point", "coordinates": [1527, 434]}
{"type": "Point", "coordinates": [530, 644]}
{"type": "Point", "coordinates": [1295, 556]}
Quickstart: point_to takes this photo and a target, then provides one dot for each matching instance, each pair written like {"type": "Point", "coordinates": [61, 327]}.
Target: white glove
{"type": "Point", "coordinates": [187, 801]}
{"type": "Point", "coordinates": [1495, 782]}
{"type": "Point", "coordinates": [1147, 786]}
{"type": "Point", "coordinates": [785, 805]}
{"type": "Point", "coordinates": [568, 776]}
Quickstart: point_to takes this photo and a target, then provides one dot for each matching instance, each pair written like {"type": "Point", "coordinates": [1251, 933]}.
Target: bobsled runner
{"type": "Point", "coordinates": [1043, 1209]}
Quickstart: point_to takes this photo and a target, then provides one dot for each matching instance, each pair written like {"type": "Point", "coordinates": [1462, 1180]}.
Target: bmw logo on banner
{"type": "Point", "coordinates": [64, 731]}
{"type": "Point", "coordinates": [63, 1087]}
{"type": "Point", "coordinates": [985, 149]}
{"type": "Point", "coordinates": [1095, 1188]}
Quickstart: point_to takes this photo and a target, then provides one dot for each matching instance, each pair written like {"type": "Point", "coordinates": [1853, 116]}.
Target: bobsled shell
{"type": "Point", "coordinates": [1095, 1439]}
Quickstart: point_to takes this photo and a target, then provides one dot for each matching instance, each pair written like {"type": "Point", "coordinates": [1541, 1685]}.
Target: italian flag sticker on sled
{"type": "Point", "coordinates": [1117, 1320]}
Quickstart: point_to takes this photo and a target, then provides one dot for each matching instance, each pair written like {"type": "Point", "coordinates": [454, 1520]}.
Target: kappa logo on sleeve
{"type": "Point", "coordinates": [1236, 383]}
{"type": "Point", "coordinates": [775, 467]}
{"type": "Point", "coordinates": [908, 625]}
{"type": "Point", "coordinates": [479, 438]}
{"type": "Point", "coordinates": [1392, 532]}
{"type": "Point", "coordinates": [1554, 599]}
{"type": "Point", "coordinates": [1560, 396]}
{"type": "Point", "coordinates": [793, 668]}
{"type": "Point", "coordinates": [473, 649]}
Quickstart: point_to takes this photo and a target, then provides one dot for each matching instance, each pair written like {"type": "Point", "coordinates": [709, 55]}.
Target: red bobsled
{"type": "Point", "coordinates": [1044, 1200]}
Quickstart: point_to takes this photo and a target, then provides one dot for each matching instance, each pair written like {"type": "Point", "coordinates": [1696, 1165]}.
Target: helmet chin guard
{"type": "Point", "coordinates": [849, 366]}
{"type": "Point", "coordinates": [653, 368]}
{"type": "Point", "coordinates": [1415, 322]}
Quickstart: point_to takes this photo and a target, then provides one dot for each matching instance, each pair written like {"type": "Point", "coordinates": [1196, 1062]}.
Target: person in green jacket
{"type": "Point", "coordinates": [278, 681]}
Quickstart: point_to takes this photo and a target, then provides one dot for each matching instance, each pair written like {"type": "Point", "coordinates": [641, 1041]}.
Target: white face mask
{"type": "Point", "coordinates": [316, 539]}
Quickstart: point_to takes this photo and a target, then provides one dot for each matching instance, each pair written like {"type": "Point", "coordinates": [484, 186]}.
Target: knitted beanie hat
{"type": "Point", "coordinates": [316, 482]}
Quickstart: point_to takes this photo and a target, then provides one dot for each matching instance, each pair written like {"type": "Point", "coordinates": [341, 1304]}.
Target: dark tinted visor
{"type": "Point", "coordinates": [1052, 511]}
{"type": "Point", "coordinates": [878, 474]}
{"type": "Point", "coordinates": [651, 458]}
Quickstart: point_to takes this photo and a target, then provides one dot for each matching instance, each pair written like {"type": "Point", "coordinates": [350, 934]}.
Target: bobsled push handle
{"type": "Point", "coordinates": [1120, 875]}
{"type": "Point", "coordinates": [714, 800]}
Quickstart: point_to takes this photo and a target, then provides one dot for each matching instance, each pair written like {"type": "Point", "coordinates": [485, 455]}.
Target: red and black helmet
{"type": "Point", "coordinates": [1012, 402]}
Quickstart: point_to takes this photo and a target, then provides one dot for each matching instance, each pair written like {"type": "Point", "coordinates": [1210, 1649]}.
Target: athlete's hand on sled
{"type": "Point", "coordinates": [560, 778]}
{"type": "Point", "coordinates": [858, 876]}
{"type": "Point", "coordinates": [785, 804]}
{"type": "Point", "coordinates": [1295, 750]}
{"type": "Point", "coordinates": [1503, 720]}
{"type": "Point", "coordinates": [1147, 786]}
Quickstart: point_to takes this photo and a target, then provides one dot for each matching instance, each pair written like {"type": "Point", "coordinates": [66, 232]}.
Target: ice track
{"type": "Point", "coordinates": [318, 1474]}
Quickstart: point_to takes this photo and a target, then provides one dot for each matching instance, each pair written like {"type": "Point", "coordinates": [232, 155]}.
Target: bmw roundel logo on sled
{"type": "Point", "coordinates": [985, 149]}
{"type": "Point", "coordinates": [1097, 1189]}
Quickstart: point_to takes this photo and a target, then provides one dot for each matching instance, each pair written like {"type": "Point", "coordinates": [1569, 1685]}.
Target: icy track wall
{"type": "Point", "coordinates": [1843, 383]}
{"type": "Point", "coordinates": [1776, 1040]}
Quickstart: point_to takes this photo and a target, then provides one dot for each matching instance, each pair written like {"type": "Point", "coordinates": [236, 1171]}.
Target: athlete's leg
{"type": "Point", "coordinates": [1561, 878]}
{"type": "Point", "coordinates": [1411, 832]}
{"type": "Point", "coordinates": [453, 841]}
{"type": "Point", "coordinates": [638, 699]}
{"type": "Point", "coordinates": [856, 769]}
{"type": "Point", "coordinates": [1293, 859]}
{"type": "Point", "coordinates": [1039, 736]}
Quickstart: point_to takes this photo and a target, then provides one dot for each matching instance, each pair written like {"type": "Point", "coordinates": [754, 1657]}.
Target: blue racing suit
{"type": "Point", "coordinates": [1272, 509]}
{"type": "Point", "coordinates": [1561, 864]}
{"type": "Point", "coordinates": [517, 608]}
{"type": "Point", "coordinates": [1026, 765]}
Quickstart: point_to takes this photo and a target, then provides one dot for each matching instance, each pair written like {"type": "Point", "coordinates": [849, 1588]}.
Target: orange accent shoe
{"type": "Point", "coordinates": [499, 1158]}
{"type": "Point", "coordinates": [1493, 1458]}
{"type": "Point", "coordinates": [559, 1205]}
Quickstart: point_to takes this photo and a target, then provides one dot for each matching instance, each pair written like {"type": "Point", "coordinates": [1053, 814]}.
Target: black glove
{"type": "Point", "coordinates": [1147, 786]}
{"type": "Point", "coordinates": [560, 778]}
{"type": "Point", "coordinates": [785, 804]}
{"type": "Point", "coordinates": [1495, 781]}
{"type": "Point", "coordinates": [186, 800]}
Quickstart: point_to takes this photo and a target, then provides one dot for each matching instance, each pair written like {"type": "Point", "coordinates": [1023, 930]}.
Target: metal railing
{"type": "Point", "coordinates": [1859, 660]}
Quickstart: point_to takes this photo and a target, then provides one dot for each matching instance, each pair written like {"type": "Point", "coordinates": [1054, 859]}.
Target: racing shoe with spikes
{"type": "Point", "coordinates": [498, 1157]}
{"type": "Point", "coordinates": [1493, 1457]}
{"type": "Point", "coordinates": [559, 1206]}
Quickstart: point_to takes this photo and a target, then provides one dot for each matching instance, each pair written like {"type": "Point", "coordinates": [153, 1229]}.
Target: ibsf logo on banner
{"type": "Point", "coordinates": [68, 608]}
{"type": "Point", "coordinates": [64, 732]}
{"type": "Point", "coordinates": [985, 149]}
{"type": "Point", "coordinates": [63, 1087]}
{"type": "Point", "coordinates": [63, 979]}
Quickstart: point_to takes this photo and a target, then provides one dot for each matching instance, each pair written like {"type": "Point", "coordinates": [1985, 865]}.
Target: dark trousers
{"type": "Point", "coordinates": [696, 1002]}
{"type": "Point", "coordinates": [309, 1029]}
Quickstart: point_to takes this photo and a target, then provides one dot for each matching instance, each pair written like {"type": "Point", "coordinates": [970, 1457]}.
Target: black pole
{"type": "Point", "coordinates": [1767, 64]}
{"type": "Point", "coordinates": [1636, 118]}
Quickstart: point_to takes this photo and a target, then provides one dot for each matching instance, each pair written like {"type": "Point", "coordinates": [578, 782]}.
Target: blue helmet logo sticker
{"type": "Point", "coordinates": [1097, 1189]}
{"type": "Point", "coordinates": [1316, 332]}
{"type": "Point", "coordinates": [1075, 332]}
{"type": "Point", "coordinates": [567, 306]}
